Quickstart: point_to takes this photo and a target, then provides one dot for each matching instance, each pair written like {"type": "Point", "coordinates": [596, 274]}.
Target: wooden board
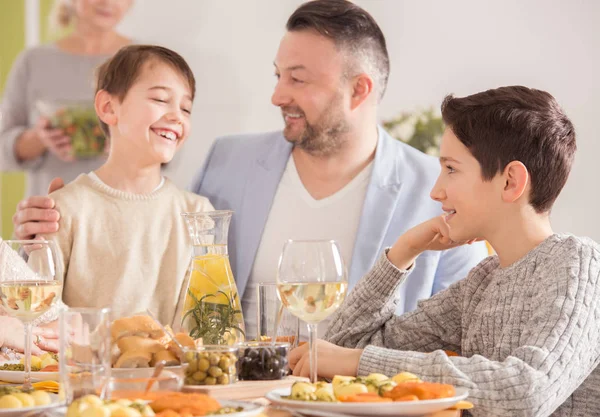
{"type": "Point", "coordinates": [243, 390]}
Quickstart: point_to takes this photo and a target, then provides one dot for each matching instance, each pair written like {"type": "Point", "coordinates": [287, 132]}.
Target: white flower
{"type": "Point", "coordinates": [404, 131]}
{"type": "Point", "coordinates": [432, 150]}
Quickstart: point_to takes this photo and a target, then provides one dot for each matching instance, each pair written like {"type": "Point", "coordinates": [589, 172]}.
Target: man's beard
{"type": "Point", "coordinates": [323, 138]}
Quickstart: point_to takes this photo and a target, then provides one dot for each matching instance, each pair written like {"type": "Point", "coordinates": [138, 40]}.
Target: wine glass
{"type": "Point", "coordinates": [312, 284]}
{"type": "Point", "coordinates": [30, 284]}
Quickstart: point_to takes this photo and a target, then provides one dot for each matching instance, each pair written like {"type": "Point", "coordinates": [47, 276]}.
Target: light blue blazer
{"type": "Point", "coordinates": [241, 173]}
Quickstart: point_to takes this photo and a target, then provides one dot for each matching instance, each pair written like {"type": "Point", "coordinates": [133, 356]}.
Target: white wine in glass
{"type": "Point", "coordinates": [312, 284]}
{"type": "Point", "coordinates": [30, 284]}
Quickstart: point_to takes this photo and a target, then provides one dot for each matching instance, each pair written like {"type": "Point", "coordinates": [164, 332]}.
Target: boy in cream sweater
{"type": "Point", "coordinates": [524, 322]}
{"type": "Point", "coordinates": [123, 242]}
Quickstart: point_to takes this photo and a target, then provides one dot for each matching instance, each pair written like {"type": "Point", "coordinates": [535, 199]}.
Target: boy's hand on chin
{"type": "Point", "coordinates": [434, 234]}
{"type": "Point", "coordinates": [331, 360]}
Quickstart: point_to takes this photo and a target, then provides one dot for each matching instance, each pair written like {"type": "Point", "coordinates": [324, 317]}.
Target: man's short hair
{"type": "Point", "coordinates": [119, 73]}
{"type": "Point", "coordinates": [353, 30]}
{"type": "Point", "coordinates": [516, 124]}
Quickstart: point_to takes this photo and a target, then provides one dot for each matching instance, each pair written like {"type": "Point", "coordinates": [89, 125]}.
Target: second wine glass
{"type": "Point", "coordinates": [30, 284]}
{"type": "Point", "coordinates": [312, 284]}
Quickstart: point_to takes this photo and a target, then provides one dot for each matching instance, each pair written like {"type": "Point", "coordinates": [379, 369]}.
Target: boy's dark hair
{"type": "Point", "coordinates": [352, 29]}
{"type": "Point", "coordinates": [119, 73]}
{"type": "Point", "coordinates": [516, 124]}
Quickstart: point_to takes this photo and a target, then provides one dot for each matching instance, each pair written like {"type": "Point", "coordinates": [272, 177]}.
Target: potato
{"type": "Point", "coordinates": [10, 401]}
{"type": "Point", "coordinates": [41, 397]}
{"type": "Point", "coordinates": [377, 377]}
{"type": "Point", "coordinates": [125, 412]}
{"type": "Point", "coordinates": [95, 411]}
{"type": "Point", "coordinates": [49, 360]}
{"type": "Point", "coordinates": [35, 362]}
{"type": "Point", "coordinates": [404, 377]}
{"type": "Point", "coordinates": [75, 409]}
{"type": "Point", "coordinates": [349, 389]}
{"type": "Point", "coordinates": [92, 400]}
{"type": "Point", "coordinates": [302, 391]}
{"type": "Point", "coordinates": [338, 379]}
{"type": "Point", "coordinates": [325, 393]}
{"type": "Point", "coordinates": [26, 399]}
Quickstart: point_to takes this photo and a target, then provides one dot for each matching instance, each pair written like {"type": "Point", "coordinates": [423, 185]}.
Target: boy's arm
{"type": "Point", "coordinates": [560, 347]}
{"type": "Point", "coordinates": [367, 316]}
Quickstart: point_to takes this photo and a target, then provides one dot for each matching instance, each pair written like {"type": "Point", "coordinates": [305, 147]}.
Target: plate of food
{"type": "Point", "coordinates": [14, 402]}
{"type": "Point", "coordinates": [138, 343]}
{"type": "Point", "coordinates": [171, 404]}
{"type": "Point", "coordinates": [43, 368]}
{"type": "Point", "coordinates": [374, 395]}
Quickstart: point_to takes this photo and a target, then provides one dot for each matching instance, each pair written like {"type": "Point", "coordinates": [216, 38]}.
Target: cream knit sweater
{"type": "Point", "coordinates": [121, 250]}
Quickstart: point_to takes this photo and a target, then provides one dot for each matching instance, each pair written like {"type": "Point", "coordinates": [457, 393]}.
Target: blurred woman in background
{"type": "Point", "coordinates": [50, 76]}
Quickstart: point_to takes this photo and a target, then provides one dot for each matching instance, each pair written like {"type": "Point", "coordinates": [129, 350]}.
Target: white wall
{"type": "Point", "coordinates": [436, 47]}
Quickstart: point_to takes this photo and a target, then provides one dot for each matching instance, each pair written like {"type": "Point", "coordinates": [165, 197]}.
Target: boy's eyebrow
{"type": "Point", "coordinates": [162, 87]}
{"type": "Point", "coordinates": [444, 159]}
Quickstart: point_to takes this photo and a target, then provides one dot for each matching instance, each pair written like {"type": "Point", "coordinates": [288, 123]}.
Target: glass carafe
{"type": "Point", "coordinates": [212, 310]}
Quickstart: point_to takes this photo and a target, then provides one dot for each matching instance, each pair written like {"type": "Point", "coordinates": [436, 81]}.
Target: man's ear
{"type": "Point", "coordinates": [105, 108]}
{"type": "Point", "coordinates": [516, 181]}
{"type": "Point", "coordinates": [362, 88]}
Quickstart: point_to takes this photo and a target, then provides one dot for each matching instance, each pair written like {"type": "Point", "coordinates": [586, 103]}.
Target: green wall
{"type": "Point", "coordinates": [12, 33]}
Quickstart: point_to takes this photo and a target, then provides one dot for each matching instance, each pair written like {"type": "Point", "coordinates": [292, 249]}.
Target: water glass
{"type": "Point", "coordinates": [268, 306]}
{"type": "Point", "coordinates": [85, 352]}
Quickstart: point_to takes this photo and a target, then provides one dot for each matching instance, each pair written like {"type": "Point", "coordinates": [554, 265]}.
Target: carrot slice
{"type": "Point", "coordinates": [50, 368]}
{"type": "Point", "coordinates": [364, 397]}
{"type": "Point", "coordinates": [407, 398]}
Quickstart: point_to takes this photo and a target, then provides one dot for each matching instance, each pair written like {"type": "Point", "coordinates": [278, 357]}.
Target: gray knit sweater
{"type": "Point", "coordinates": [528, 334]}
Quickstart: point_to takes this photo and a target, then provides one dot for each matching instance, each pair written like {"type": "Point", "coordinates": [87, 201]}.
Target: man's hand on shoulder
{"type": "Point", "coordinates": [36, 215]}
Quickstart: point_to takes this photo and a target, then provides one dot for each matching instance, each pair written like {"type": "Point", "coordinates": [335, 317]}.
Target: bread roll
{"type": "Point", "coordinates": [165, 355]}
{"type": "Point", "coordinates": [127, 343]}
{"type": "Point", "coordinates": [184, 339]}
{"type": "Point", "coordinates": [140, 325]}
{"type": "Point", "coordinates": [166, 337]}
{"type": "Point", "coordinates": [134, 359]}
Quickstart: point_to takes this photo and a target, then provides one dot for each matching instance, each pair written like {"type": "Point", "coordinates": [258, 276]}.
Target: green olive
{"type": "Point", "coordinates": [199, 376]}
{"type": "Point", "coordinates": [190, 381]}
{"type": "Point", "coordinates": [215, 371]}
{"type": "Point", "coordinates": [223, 380]}
{"type": "Point", "coordinates": [190, 356]}
{"type": "Point", "coordinates": [192, 367]}
{"type": "Point", "coordinates": [210, 380]}
{"type": "Point", "coordinates": [213, 359]}
{"type": "Point", "coordinates": [224, 363]}
{"type": "Point", "coordinates": [203, 365]}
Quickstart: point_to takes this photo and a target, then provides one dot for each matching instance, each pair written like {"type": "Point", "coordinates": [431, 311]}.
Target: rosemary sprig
{"type": "Point", "coordinates": [213, 321]}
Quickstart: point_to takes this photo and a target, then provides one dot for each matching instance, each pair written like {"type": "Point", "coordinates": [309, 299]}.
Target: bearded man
{"type": "Point", "coordinates": [332, 173]}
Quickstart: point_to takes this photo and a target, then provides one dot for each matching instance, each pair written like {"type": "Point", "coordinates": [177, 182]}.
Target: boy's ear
{"type": "Point", "coordinates": [362, 87]}
{"type": "Point", "coordinates": [516, 180]}
{"type": "Point", "coordinates": [105, 109]}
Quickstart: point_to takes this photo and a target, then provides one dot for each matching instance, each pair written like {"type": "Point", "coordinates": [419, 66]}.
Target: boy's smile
{"type": "Point", "coordinates": [153, 119]}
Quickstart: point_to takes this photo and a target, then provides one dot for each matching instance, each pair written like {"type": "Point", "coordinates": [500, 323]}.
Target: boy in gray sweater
{"type": "Point", "coordinates": [525, 321]}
